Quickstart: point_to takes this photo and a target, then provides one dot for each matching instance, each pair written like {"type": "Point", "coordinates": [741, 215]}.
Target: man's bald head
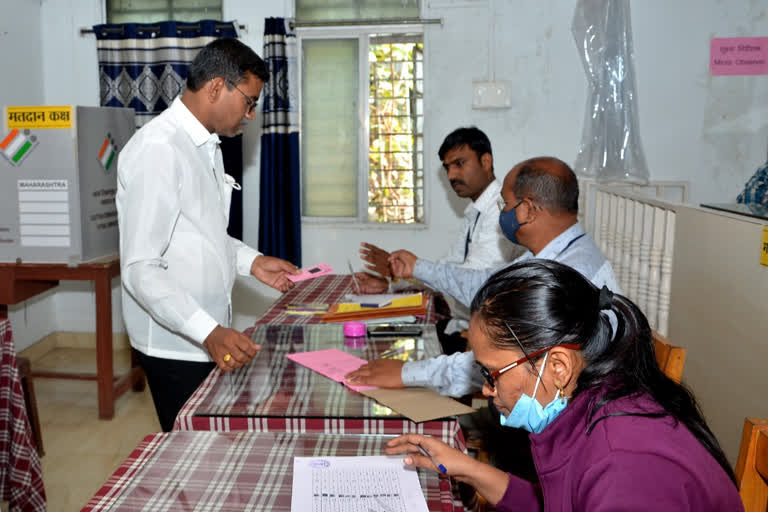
{"type": "Point", "coordinates": [548, 181]}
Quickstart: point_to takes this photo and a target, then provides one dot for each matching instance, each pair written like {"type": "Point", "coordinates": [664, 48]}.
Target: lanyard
{"type": "Point", "coordinates": [567, 246]}
{"type": "Point", "coordinates": [470, 230]}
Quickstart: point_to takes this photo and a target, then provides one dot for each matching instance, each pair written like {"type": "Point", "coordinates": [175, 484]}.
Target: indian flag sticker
{"type": "Point", "coordinates": [107, 153]}
{"type": "Point", "coordinates": [17, 145]}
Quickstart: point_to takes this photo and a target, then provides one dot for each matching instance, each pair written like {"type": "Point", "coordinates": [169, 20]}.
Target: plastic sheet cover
{"type": "Point", "coordinates": [610, 148]}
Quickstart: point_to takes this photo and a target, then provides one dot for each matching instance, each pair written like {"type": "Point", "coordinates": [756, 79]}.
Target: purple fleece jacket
{"type": "Point", "coordinates": [626, 463]}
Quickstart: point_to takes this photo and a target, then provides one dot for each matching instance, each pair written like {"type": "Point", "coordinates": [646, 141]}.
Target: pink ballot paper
{"type": "Point", "coordinates": [333, 363]}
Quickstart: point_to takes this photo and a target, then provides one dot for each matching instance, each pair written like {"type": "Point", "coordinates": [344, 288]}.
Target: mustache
{"type": "Point", "coordinates": [455, 182]}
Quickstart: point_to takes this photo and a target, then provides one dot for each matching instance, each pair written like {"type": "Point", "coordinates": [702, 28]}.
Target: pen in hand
{"type": "Point", "coordinates": [439, 466]}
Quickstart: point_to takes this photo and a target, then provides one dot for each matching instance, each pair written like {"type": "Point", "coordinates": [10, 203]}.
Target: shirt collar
{"type": "Point", "coordinates": [194, 128]}
{"type": "Point", "coordinates": [486, 199]}
{"type": "Point", "coordinates": [556, 246]}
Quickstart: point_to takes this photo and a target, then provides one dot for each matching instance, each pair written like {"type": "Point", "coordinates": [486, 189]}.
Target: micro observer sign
{"type": "Point", "coordinates": [25, 118]}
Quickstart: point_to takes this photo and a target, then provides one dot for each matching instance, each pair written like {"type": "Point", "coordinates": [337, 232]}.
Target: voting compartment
{"type": "Point", "coordinates": [58, 168]}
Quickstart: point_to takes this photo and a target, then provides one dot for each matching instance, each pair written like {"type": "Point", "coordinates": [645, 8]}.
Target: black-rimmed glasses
{"type": "Point", "coordinates": [251, 102]}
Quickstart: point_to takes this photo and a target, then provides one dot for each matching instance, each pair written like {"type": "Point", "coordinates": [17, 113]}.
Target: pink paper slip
{"type": "Point", "coordinates": [332, 363]}
{"type": "Point", "coordinates": [738, 56]}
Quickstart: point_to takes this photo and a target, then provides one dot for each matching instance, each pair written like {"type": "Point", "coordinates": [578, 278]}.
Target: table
{"type": "Point", "coordinates": [232, 471]}
{"type": "Point", "coordinates": [20, 281]}
{"type": "Point", "coordinates": [21, 475]}
{"type": "Point", "coordinates": [327, 289]}
{"type": "Point", "coordinates": [274, 394]}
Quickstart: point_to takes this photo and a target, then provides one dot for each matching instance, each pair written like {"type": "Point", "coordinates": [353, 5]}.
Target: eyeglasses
{"type": "Point", "coordinates": [251, 102]}
{"type": "Point", "coordinates": [490, 377]}
{"type": "Point", "coordinates": [502, 203]}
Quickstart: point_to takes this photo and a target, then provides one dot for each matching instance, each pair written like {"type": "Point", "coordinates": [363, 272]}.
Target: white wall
{"type": "Point", "coordinates": [712, 131]}
{"type": "Point", "coordinates": [22, 84]}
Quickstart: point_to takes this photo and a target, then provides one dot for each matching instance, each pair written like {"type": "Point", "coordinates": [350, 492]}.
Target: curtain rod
{"type": "Point", "coordinates": [84, 31]}
{"type": "Point", "coordinates": [377, 21]}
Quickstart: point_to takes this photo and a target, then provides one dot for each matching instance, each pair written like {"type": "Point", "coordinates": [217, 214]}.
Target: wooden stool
{"type": "Point", "coordinates": [23, 366]}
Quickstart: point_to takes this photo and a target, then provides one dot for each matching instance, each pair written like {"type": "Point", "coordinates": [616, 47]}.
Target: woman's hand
{"type": "Point", "coordinates": [490, 482]}
{"type": "Point", "coordinates": [456, 464]}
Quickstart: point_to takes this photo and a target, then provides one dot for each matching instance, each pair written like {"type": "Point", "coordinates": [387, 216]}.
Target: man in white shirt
{"type": "Point", "coordinates": [178, 263]}
{"type": "Point", "coordinates": [468, 162]}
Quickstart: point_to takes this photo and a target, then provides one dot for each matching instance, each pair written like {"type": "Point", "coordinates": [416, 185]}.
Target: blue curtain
{"type": "Point", "coordinates": [279, 205]}
{"type": "Point", "coordinates": [144, 66]}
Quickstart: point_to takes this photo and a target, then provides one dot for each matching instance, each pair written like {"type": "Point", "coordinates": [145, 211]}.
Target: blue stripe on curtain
{"type": "Point", "coordinates": [279, 205]}
{"type": "Point", "coordinates": [144, 66]}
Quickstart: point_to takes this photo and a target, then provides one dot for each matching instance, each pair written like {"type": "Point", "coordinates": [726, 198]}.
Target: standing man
{"type": "Point", "coordinates": [468, 162]}
{"type": "Point", "coordinates": [177, 262]}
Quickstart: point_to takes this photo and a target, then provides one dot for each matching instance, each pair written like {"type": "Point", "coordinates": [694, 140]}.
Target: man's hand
{"type": "Point", "coordinates": [229, 348]}
{"type": "Point", "coordinates": [384, 373]}
{"type": "Point", "coordinates": [402, 262]}
{"type": "Point", "coordinates": [376, 258]}
{"type": "Point", "coordinates": [370, 283]}
{"type": "Point", "coordinates": [273, 272]}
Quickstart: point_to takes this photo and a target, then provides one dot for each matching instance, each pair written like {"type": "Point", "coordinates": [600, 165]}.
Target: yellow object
{"type": "Point", "coordinates": [21, 118]}
{"type": "Point", "coordinates": [400, 302]}
{"type": "Point", "coordinates": [227, 357]}
{"type": "Point", "coordinates": [764, 247]}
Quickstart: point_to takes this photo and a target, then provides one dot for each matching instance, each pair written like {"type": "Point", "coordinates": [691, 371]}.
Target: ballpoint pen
{"type": "Point", "coordinates": [439, 466]}
{"type": "Point", "coordinates": [354, 279]}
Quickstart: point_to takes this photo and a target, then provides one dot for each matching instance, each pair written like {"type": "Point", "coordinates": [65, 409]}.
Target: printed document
{"type": "Point", "coordinates": [355, 484]}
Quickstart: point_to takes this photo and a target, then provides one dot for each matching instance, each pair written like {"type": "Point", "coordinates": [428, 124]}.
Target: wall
{"type": "Point", "coordinates": [22, 84]}
{"type": "Point", "coordinates": [709, 130]}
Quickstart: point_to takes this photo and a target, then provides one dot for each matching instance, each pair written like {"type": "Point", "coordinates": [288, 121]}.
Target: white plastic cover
{"type": "Point", "coordinates": [610, 148]}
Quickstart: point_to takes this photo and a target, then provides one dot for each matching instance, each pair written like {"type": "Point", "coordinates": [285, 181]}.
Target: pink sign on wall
{"type": "Point", "coordinates": [738, 56]}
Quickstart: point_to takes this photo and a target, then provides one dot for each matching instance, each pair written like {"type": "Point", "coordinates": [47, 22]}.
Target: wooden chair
{"type": "Point", "coordinates": [25, 374]}
{"type": "Point", "coordinates": [752, 465]}
{"type": "Point", "coordinates": [670, 358]}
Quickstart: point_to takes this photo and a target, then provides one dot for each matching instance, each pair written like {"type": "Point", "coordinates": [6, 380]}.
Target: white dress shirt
{"type": "Point", "coordinates": [457, 375]}
{"type": "Point", "coordinates": [177, 261]}
{"type": "Point", "coordinates": [488, 247]}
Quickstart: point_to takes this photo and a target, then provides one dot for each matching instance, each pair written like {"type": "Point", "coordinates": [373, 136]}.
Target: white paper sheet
{"type": "Point", "coordinates": [355, 484]}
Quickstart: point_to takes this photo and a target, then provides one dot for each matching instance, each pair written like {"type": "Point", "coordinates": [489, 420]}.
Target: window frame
{"type": "Point", "coordinates": [362, 33]}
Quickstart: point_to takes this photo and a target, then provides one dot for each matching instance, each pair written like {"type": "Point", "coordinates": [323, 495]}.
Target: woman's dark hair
{"type": "Point", "coordinates": [547, 303]}
{"type": "Point", "coordinates": [228, 58]}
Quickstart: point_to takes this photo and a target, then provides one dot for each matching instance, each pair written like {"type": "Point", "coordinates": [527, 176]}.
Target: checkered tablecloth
{"type": "Point", "coordinates": [328, 289]}
{"type": "Point", "coordinates": [232, 471]}
{"type": "Point", "coordinates": [274, 394]}
{"type": "Point", "coordinates": [21, 475]}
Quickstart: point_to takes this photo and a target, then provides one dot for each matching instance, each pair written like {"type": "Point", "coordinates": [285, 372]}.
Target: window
{"type": "Point", "coordinates": [149, 11]}
{"type": "Point", "coordinates": [362, 123]}
{"type": "Point", "coordinates": [362, 96]}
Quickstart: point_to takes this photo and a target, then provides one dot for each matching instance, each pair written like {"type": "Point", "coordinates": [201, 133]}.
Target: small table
{"type": "Point", "coordinates": [20, 281]}
{"type": "Point", "coordinates": [274, 394]}
{"type": "Point", "coordinates": [233, 471]}
{"type": "Point", "coordinates": [327, 289]}
{"type": "Point", "coordinates": [21, 474]}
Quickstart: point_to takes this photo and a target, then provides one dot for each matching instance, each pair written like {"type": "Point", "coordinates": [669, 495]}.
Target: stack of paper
{"type": "Point", "coordinates": [361, 307]}
{"type": "Point", "coordinates": [351, 303]}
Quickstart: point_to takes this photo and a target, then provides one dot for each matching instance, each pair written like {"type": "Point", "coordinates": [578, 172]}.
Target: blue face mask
{"type": "Point", "coordinates": [528, 413]}
{"type": "Point", "coordinates": [509, 224]}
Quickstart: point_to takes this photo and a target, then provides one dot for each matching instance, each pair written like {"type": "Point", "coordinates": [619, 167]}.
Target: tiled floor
{"type": "Point", "coordinates": [81, 451]}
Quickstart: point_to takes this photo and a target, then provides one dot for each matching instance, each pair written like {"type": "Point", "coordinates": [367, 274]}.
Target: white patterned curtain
{"type": "Point", "coordinates": [144, 65]}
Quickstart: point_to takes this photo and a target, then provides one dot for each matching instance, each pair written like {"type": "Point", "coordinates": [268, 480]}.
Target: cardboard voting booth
{"type": "Point", "coordinates": [58, 167]}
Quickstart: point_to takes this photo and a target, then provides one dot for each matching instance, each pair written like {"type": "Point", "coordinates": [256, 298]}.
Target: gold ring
{"type": "Point", "coordinates": [227, 357]}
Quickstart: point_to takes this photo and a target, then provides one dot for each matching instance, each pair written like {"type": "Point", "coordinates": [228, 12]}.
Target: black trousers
{"type": "Point", "coordinates": [451, 343]}
{"type": "Point", "coordinates": [171, 383]}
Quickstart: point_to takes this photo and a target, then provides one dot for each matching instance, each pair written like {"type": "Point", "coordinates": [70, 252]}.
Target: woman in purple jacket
{"type": "Point", "coordinates": [609, 431]}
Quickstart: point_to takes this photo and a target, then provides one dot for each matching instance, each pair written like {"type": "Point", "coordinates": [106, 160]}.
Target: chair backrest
{"type": "Point", "coordinates": [670, 358]}
{"type": "Point", "coordinates": [752, 465]}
